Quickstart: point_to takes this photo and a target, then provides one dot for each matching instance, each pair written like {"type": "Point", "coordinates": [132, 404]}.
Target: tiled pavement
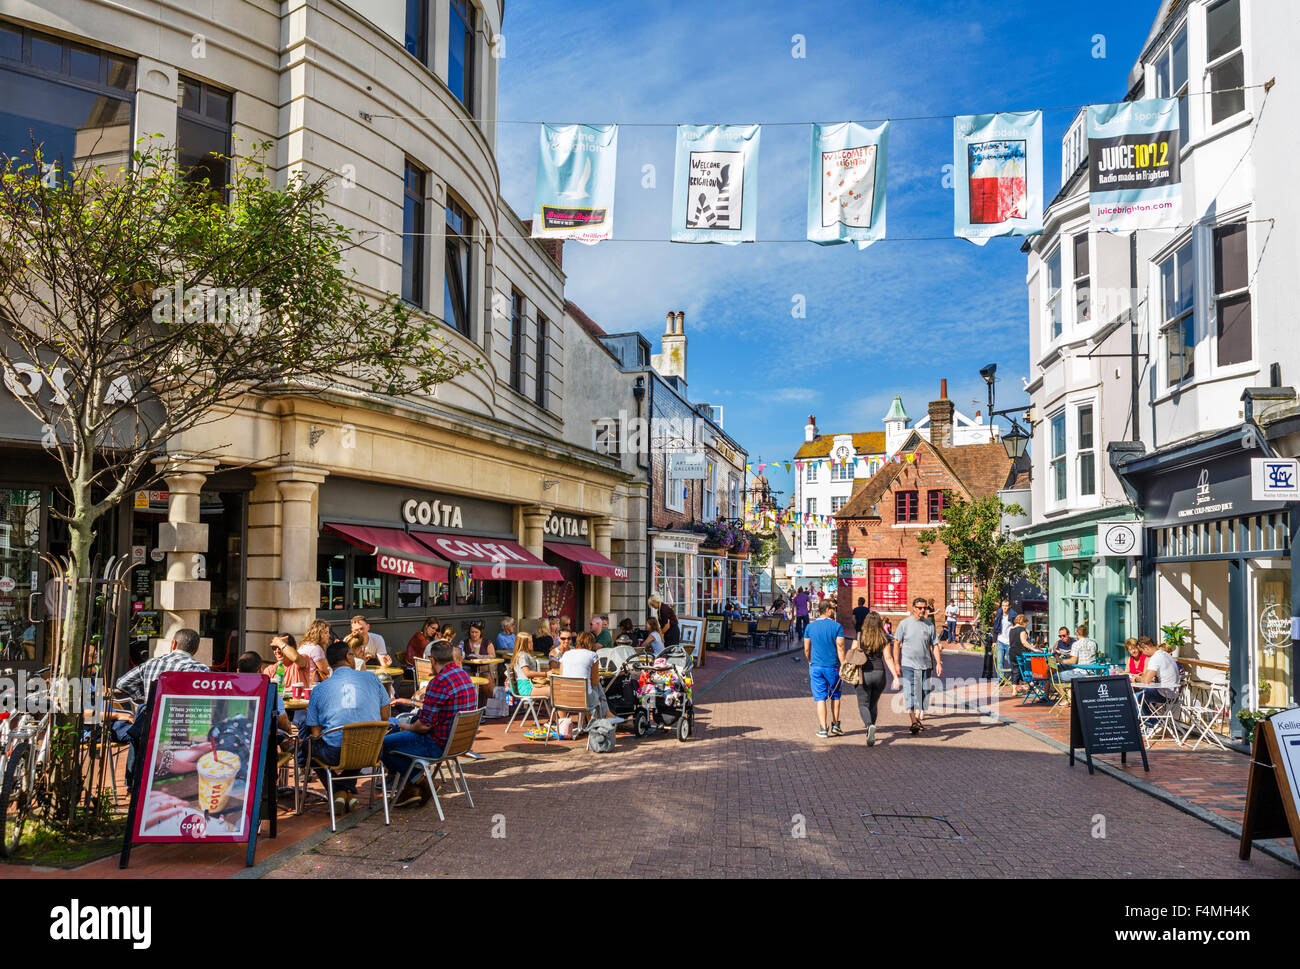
{"type": "Point", "coordinates": [1209, 778]}
{"type": "Point", "coordinates": [755, 793]}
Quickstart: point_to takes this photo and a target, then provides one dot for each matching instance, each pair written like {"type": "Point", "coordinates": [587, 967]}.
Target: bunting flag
{"type": "Point", "coordinates": [575, 183]}
{"type": "Point", "coordinates": [997, 175]}
{"type": "Point", "coordinates": [715, 188]}
{"type": "Point", "coordinates": [846, 190]}
{"type": "Point", "coordinates": [1134, 180]}
{"type": "Point", "coordinates": [787, 467]}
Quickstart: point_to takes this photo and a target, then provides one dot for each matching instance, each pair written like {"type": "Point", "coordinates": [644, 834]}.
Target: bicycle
{"type": "Point", "coordinates": [26, 736]}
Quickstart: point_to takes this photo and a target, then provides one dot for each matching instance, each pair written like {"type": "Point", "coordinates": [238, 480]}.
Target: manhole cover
{"type": "Point", "coordinates": [910, 826]}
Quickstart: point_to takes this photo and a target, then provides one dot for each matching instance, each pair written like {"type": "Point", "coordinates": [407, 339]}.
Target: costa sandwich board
{"type": "Point", "coordinates": [1104, 719]}
{"type": "Point", "coordinates": [1273, 790]}
{"type": "Point", "coordinates": [204, 765]}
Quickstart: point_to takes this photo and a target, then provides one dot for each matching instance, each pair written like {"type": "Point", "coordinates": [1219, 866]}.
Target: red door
{"type": "Point", "coordinates": [563, 598]}
{"type": "Point", "coordinates": [889, 585]}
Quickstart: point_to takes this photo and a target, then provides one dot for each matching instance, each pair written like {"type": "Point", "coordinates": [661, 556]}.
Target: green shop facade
{"type": "Point", "coordinates": [1089, 578]}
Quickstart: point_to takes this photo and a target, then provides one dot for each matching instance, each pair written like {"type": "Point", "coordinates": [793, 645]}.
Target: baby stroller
{"type": "Point", "coordinates": [647, 691]}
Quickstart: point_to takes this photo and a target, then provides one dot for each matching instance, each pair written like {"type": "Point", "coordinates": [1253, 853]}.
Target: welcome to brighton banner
{"type": "Point", "coordinates": [715, 187]}
{"type": "Point", "coordinates": [846, 193]}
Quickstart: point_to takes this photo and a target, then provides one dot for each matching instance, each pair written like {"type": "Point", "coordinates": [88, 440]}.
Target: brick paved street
{"type": "Point", "coordinates": [734, 800]}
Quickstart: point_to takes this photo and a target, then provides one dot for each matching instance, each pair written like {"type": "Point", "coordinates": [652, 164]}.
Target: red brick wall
{"type": "Point", "coordinates": [873, 539]}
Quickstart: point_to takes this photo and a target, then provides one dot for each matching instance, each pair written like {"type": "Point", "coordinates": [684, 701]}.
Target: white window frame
{"type": "Point", "coordinates": [1215, 298]}
{"type": "Point", "coordinates": [838, 502]}
{"type": "Point", "coordinates": [1058, 463]}
{"type": "Point", "coordinates": [1178, 320]}
{"type": "Point", "coordinates": [673, 498]}
{"type": "Point", "coordinates": [710, 510]}
{"type": "Point", "coordinates": [1164, 87]}
{"type": "Point", "coordinates": [810, 506]}
{"type": "Point", "coordinates": [1076, 280]}
{"type": "Point", "coordinates": [1078, 452]}
{"type": "Point", "coordinates": [1053, 310]}
{"type": "Point", "coordinates": [1211, 126]}
{"type": "Point", "coordinates": [810, 471]}
{"type": "Point", "coordinates": [810, 538]}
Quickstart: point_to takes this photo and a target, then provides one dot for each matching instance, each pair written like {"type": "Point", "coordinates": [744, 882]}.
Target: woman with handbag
{"type": "Point", "coordinates": [868, 656]}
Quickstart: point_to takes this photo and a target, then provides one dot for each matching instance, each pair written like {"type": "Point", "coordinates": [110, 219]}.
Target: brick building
{"type": "Point", "coordinates": [878, 556]}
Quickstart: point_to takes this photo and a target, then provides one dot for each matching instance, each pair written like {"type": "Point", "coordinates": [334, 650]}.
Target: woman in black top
{"type": "Point", "coordinates": [1019, 646]}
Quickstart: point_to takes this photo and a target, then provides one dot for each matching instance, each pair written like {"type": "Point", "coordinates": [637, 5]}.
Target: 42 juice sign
{"type": "Point", "coordinates": [1134, 179]}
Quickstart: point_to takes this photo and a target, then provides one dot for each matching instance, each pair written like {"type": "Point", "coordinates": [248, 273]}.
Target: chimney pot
{"type": "Point", "coordinates": [943, 389]}
{"type": "Point", "coordinates": [670, 324]}
{"type": "Point", "coordinates": [681, 321]}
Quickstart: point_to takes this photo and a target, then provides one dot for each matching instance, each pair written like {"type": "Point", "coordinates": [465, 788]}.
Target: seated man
{"type": "Point", "coordinates": [348, 696]}
{"type": "Point", "coordinates": [1083, 651]}
{"type": "Point", "coordinates": [1063, 642]}
{"type": "Point", "coordinates": [601, 634]}
{"type": "Point", "coordinates": [1161, 674]}
{"type": "Point", "coordinates": [506, 638]}
{"type": "Point", "coordinates": [449, 692]}
{"type": "Point", "coordinates": [135, 683]}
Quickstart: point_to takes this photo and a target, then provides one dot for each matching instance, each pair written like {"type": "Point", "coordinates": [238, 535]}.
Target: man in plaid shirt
{"type": "Point", "coordinates": [135, 683]}
{"type": "Point", "coordinates": [449, 692]}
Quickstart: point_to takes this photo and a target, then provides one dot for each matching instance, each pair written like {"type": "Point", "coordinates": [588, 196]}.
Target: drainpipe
{"type": "Point", "coordinates": [1134, 383]}
{"type": "Point", "coordinates": [650, 485]}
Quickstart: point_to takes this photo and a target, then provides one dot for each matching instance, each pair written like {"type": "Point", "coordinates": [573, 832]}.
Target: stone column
{"type": "Point", "coordinates": [604, 530]}
{"type": "Point", "coordinates": [186, 592]}
{"type": "Point", "coordinates": [534, 539]}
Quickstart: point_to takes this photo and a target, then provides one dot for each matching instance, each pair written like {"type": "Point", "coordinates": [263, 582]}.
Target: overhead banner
{"type": "Point", "coordinates": [846, 193]}
{"type": "Point", "coordinates": [1134, 181]}
{"type": "Point", "coordinates": [575, 183]}
{"type": "Point", "coordinates": [998, 175]}
{"type": "Point", "coordinates": [715, 188]}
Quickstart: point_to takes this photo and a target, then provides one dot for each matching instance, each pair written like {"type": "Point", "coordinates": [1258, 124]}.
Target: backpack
{"type": "Point", "coordinates": [600, 736]}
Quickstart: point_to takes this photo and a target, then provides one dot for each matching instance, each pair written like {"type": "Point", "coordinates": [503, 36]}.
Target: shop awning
{"type": "Point", "coordinates": [395, 552]}
{"type": "Point", "coordinates": [491, 558]}
{"type": "Point", "coordinates": [592, 562]}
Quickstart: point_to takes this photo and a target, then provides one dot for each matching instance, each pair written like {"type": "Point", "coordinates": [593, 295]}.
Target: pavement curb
{"type": "Point", "coordinates": [301, 847]}
{"type": "Point", "coordinates": [745, 662]}
{"type": "Point", "coordinates": [1146, 787]}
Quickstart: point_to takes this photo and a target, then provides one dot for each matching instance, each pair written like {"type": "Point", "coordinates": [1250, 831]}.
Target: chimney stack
{"type": "Point", "coordinates": [672, 361]}
{"type": "Point", "coordinates": [941, 417]}
{"type": "Point", "coordinates": [810, 429]}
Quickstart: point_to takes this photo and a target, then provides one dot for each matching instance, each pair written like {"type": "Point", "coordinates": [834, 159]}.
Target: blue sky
{"type": "Point", "coordinates": [895, 318]}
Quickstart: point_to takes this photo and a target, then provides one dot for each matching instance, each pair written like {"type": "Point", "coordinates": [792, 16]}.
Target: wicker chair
{"type": "Point", "coordinates": [464, 728]}
{"type": "Point", "coordinates": [740, 634]}
{"type": "Point", "coordinates": [361, 746]}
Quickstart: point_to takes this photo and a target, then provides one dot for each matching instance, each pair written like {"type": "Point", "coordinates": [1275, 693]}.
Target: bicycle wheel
{"type": "Point", "coordinates": [15, 799]}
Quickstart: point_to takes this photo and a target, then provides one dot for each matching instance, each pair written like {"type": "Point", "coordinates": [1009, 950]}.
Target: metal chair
{"type": "Point", "coordinates": [1164, 714]}
{"type": "Point", "coordinates": [464, 728]}
{"type": "Point", "coordinates": [568, 695]}
{"type": "Point", "coordinates": [1061, 686]}
{"type": "Point", "coordinates": [1033, 670]}
{"type": "Point", "coordinates": [526, 703]}
{"type": "Point", "coordinates": [1206, 705]}
{"type": "Point", "coordinates": [361, 745]}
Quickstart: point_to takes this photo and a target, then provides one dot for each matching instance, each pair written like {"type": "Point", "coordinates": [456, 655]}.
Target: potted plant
{"type": "Point", "coordinates": [1175, 636]}
{"type": "Point", "coordinates": [1249, 719]}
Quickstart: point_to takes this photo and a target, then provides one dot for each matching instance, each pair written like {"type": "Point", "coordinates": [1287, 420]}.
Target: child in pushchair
{"type": "Point", "coordinates": [646, 691]}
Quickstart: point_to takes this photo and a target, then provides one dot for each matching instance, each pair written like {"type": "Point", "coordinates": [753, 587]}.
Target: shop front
{"type": "Point", "coordinates": [1218, 562]}
{"type": "Point", "coordinates": [585, 571]}
{"type": "Point", "coordinates": [1086, 582]}
{"type": "Point", "coordinates": [676, 571]}
{"type": "Point", "coordinates": [399, 556]}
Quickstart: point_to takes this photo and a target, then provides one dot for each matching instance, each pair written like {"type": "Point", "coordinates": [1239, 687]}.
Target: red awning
{"type": "Point", "coordinates": [592, 562]}
{"type": "Point", "coordinates": [491, 558]}
{"type": "Point", "coordinates": [395, 552]}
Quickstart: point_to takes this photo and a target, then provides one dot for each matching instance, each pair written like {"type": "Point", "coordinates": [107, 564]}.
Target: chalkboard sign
{"type": "Point", "coordinates": [1104, 719]}
{"type": "Point", "coordinates": [713, 627]}
{"type": "Point", "coordinates": [1273, 791]}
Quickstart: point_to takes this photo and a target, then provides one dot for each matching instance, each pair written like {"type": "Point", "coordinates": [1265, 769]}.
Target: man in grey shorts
{"type": "Point", "coordinates": [916, 655]}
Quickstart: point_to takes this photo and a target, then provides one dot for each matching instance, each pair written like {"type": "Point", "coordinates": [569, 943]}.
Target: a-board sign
{"type": "Point", "coordinates": [1273, 790]}
{"type": "Point", "coordinates": [1104, 719]}
{"type": "Point", "coordinates": [713, 629]}
{"type": "Point", "coordinates": [693, 637]}
{"type": "Point", "coordinates": [204, 761]}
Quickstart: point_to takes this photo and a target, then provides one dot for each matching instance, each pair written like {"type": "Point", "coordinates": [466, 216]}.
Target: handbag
{"type": "Point", "coordinates": [851, 668]}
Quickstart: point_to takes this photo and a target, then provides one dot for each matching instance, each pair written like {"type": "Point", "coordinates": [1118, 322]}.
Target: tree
{"type": "Point", "coordinates": [978, 549]}
{"type": "Point", "coordinates": [138, 304]}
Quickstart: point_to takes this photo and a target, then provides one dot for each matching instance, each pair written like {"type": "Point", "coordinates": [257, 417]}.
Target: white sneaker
{"type": "Point", "coordinates": [871, 735]}
{"type": "Point", "coordinates": [340, 804]}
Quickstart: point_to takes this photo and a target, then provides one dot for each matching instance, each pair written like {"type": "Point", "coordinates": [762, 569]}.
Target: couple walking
{"type": "Point", "coordinates": [912, 654]}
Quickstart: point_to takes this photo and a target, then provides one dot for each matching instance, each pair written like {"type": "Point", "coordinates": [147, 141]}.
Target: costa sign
{"type": "Point", "coordinates": [565, 526]}
{"type": "Point", "coordinates": [457, 550]}
{"type": "Point", "coordinates": [416, 512]}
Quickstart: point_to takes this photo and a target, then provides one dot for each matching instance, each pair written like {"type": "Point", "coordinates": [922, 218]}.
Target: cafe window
{"type": "Point", "coordinates": [1171, 79]}
{"type": "Point", "coordinates": [1177, 288]}
{"type": "Point", "coordinates": [1225, 64]}
{"type": "Point", "coordinates": [71, 101]}
{"type": "Point", "coordinates": [907, 506]}
{"type": "Point", "coordinates": [457, 272]}
{"type": "Point", "coordinates": [516, 341]}
{"type": "Point", "coordinates": [461, 43]}
{"type": "Point", "coordinates": [670, 579]}
{"type": "Point", "coordinates": [710, 583]}
{"type": "Point", "coordinates": [349, 581]}
{"type": "Point", "coordinates": [367, 585]}
{"type": "Point", "coordinates": [1232, 294]}
{"type": "Point", "coordinates": [203, 136]}
{"type": "Point", "coordinates": [413, 229]}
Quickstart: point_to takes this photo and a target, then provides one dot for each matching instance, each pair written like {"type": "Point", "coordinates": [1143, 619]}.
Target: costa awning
{"type": "Point", "coordinates": [491, 558]}
{"type": "Point", "coordinates": [592, 562]}
{"type": "Point", "coordinates": [395, 552]}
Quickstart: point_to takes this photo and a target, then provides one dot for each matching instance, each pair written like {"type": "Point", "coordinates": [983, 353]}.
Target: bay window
{"type": "Point", "coordinates": [1177, 289]}
{"type": "Point", "coordinates": [1054, 292]}
{"type": "Point", "coordinates": [1085, 452]}
{"type": "Point", "coordinates": [1082, 287]}
{"type": "Point", "coordinates": [1056, 444]}
{"type": "Point", "coordinates": [1232, 294]}
{"type": "Point", "coordinates": [1171, 80]}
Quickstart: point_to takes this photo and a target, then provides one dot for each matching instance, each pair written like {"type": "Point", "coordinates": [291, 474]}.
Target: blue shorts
{"type": "Point", "coordinates": [825, 682]}
{"type": "Point", "coordinates": [916, 686]}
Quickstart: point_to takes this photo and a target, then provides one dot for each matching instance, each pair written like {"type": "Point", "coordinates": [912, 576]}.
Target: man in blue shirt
{"type": "Point", "coordinates": [347, 696]}
{"type": "Point", "coordinates": [823, 647]}
{"type": "Point", "coordinates": [506, 638]}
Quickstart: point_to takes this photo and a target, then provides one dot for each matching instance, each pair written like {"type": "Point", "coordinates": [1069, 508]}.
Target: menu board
{"type": "Point", "coordinates": [1104, 718]}
{"type": "Point", "coordinates": [205, 759]}
{"type": "Point", "coordinates": [1273, 788]}
{"type": "Point", "coordinates": [713, 626]}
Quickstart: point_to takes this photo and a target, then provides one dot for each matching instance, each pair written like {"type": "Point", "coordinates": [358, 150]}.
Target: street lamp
{"type": "Point", "coordinates": [989, 373]}
{"type": "Point", "coordinates": [1015, 442]}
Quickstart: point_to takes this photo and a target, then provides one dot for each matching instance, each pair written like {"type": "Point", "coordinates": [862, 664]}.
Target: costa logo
{"type": "Point", "coordinates": [193, 826]}
{"type": "Point", "coordinates": [396, 566]}
{"type": "Point", "coordinates": [214, 685]}
{"type": "Point", "coordinates": [565, 526]}
{"type": "Point", "coordinates": [415, 512]}
{"type": "Point", "coordinates": [460, 551]}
